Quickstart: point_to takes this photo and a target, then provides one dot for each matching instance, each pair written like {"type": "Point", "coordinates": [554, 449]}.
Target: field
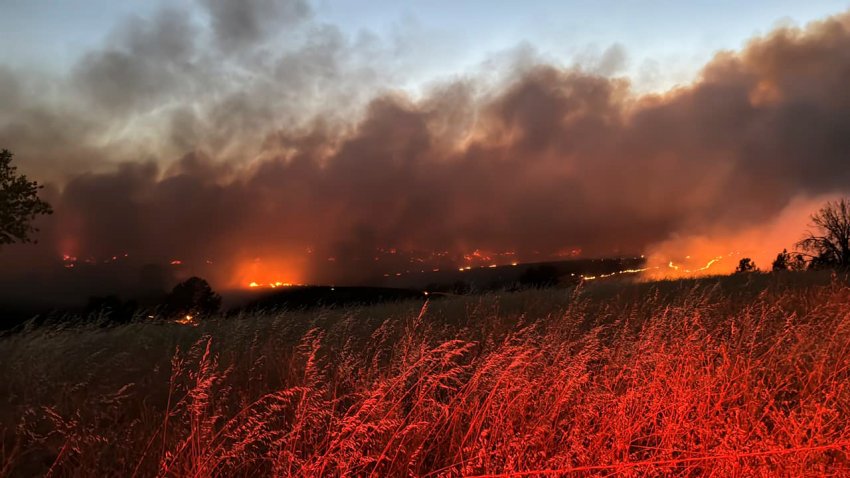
{"type": "Point", "coordinates": [736, 376]}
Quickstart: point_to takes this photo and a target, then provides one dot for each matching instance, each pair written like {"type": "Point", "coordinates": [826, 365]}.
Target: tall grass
{"type": "Point", "coordinates": [685, 379]}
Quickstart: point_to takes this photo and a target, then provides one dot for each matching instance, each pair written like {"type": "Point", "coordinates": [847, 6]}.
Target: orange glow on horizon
{"type": "Point", "coordinates": [272, 285]}
{"type": "Point", "coordinates": [270, 273]}
{"type": "Point", "coordinates": [699, 265]}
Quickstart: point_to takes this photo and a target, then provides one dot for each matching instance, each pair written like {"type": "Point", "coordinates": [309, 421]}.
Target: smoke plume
{"type": "Point", "coordinates": [205, 143]}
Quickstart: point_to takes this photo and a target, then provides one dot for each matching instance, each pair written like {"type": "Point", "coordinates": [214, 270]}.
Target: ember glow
{"type": "Point", "coordinates": [271, 285]}
{"type": "Point", "coordinates": [261, 273]}
{"type": "Point", "coordinates": [614, 274]}
{"type": "Point", "coordinates": [187, 320]}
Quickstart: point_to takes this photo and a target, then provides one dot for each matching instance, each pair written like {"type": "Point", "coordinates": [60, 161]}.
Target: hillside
{"type": "Point", "coordinates": [741, 375]}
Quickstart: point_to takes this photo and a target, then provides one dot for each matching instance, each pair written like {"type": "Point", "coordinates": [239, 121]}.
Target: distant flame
{"type": "Point", "coordinates": [624, 271]}
{"type": "Point", "coordinates": [266, 273]}
{"type": "Point", "coordinates": [672, 269]}
{"type": "Point", "coordinates": [272, 285]}
{"type": "Point", "coordinates": [656, 272]}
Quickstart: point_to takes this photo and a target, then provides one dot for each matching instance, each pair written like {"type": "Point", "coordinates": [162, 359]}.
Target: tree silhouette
{"type": "Point", "coordinates": [828, 243]}
{"type": "Point", "coordinates": [798, 263]}
{"type": "Point", "coordinates": [745, 265]}
{"type": "Point", "coordinates": [193, 297]}
{"type": "Point", "coordinates": [782, 261]}
{"type": "Point", "coordinates": [19, 203]}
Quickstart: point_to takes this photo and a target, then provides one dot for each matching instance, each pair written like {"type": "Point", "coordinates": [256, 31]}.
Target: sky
{"type": "Point", "coordinates": [339, 142]}
{"type": "Point", "coordinates": [665, 42]}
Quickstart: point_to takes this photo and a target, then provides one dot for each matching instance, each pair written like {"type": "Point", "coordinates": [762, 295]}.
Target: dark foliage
{"type": "Point", "coordinates": [745, 265]}
{"type": "Point", "coordinates": [782, 261]}
{"type": "Point", "coordinates": [194, 297]}
{"type": "Point", "coordinates": [798, 263]}
{"type": "Point", "coordinates": [828, 241]}
{"type": "Point", "coordinates": [19, 203]}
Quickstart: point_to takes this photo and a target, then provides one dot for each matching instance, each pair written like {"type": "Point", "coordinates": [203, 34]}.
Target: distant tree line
{"type": "Point", "coordinates": [825, 245]}
{"type": "Point", "coordinates": [190, 301]}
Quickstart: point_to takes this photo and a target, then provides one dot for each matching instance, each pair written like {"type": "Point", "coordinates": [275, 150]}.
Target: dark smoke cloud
{"type": "Point", "coordinates": [308, 159]}
{"type": "Point", "coordinates": [150, 62]}
{"type": "Point", "coordinates": [240, 24]}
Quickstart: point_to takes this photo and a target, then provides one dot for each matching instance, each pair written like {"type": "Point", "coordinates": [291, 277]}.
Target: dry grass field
{"type": "Point", "coordinates": [736, 376]}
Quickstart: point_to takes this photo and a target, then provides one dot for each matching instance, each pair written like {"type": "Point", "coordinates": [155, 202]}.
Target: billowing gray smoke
{"type": "Point", "coordinates": [208, 143]}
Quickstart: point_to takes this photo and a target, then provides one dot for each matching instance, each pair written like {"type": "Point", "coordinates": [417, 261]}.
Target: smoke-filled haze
{"type": "Point", "coordinates": [257, 141]}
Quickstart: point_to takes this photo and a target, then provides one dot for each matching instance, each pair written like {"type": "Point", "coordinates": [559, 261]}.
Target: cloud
{"type": "Point", "coordinates": [147, 62]}
{"type": "Point", "coordinates": [245, 23]}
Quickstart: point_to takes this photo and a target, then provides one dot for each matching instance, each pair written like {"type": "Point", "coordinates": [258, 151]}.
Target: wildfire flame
{"type": "Point", "coordinates": [674, 269]}
{"type": "Point", "coordinates": [265, 273]}
{"type": "Point", "coordinates": [278, 272]}
{"type": "Point", "coordinates": [678, 271]}
{"type": "Point", "coordinates": [624, 271]}
{"type": "Point", "coordinates": [697, 270]}
{"type": "Point", "coordinates": [272, 285]}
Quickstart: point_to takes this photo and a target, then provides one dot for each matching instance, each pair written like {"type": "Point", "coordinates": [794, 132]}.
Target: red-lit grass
{"type": "Point", "coordinates": [687, 379]}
